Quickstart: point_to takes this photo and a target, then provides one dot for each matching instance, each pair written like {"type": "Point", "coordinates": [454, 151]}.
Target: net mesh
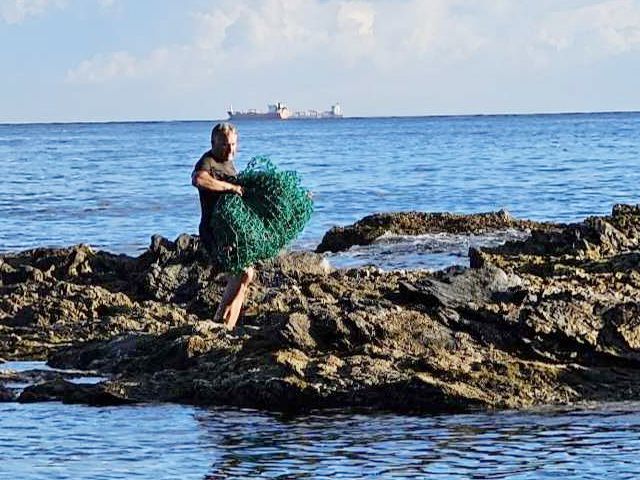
{"type": "Point", "coordinates": [272, 211]}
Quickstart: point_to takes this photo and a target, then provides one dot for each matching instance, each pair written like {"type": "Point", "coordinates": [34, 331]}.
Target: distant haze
{"type": "Point", "coordinates": [97, 60]}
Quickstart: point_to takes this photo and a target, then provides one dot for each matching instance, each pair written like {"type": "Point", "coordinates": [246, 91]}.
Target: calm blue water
{"type": "Point", "coordinates": [113, 185]}
{"type": "Point", "coordinates": [53, 441]}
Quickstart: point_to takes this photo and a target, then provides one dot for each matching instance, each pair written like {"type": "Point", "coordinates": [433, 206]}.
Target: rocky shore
{"type": "Point", "coordinates": [551, 320]}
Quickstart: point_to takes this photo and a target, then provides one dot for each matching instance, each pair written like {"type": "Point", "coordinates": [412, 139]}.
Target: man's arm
{"type": "Point", "coordinates": [203, 179]}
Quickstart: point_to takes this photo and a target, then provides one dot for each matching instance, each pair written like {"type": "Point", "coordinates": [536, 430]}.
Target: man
{"type": "Point", "coordinates": [213, 176]}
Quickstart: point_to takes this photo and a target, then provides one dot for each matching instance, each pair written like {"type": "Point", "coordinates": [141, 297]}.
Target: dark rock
{"type": "Point", "coordinates": [7, 395]}
{"type": "Point", "coordinates": [101, 356]}
{"type": "Point", "coordinates": [295, 331]}
{"type": "Point", "coordinates": [68, 392]}
{"type": "Point", "coordinates": [365, 231]}
{"type": "Point", "coordinates": [620, 332]}
{"type": "Point", "coordinates": [473, 287]}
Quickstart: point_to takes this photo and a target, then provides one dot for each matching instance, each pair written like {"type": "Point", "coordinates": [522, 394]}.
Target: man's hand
{"type": "Point", "coordinates": [237, 189]}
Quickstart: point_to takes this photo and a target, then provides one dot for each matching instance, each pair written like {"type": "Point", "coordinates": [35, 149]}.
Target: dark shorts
{"type": "Point", "coordinates": [206, 240]}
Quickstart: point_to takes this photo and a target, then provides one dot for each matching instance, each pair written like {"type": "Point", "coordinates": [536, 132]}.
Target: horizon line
{"type": "Point", "coordinates": [355, 117]}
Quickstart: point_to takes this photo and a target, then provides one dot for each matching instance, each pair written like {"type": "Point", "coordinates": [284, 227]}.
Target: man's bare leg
{"type": "Point", "coordinates": [236, 303]}
{"type": "Point", "coordinates": [230, 291]}
{"type": "Point", "coordinates": [231, 303]}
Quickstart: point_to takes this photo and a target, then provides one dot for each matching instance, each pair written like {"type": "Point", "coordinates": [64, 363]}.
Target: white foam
{"type": "Point", "coordinates": [432, 251]}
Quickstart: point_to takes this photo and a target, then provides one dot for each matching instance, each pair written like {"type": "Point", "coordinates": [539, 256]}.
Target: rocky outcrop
{"type": "Point", "coordinates": [372, 227]}
{"type": "Point", "coordinates": [47, 385]}
{"type": "Point", "coordinates": [62, 390]}
{"type": "Point", "coordinates": [553, 319]}
{"type": "Point", "coordinates": [55, 297]}
{"type": "Point", "coordinates": [6, 395]}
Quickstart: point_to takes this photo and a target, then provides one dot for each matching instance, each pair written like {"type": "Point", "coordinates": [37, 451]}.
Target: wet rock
{"type": "Point", "coordinates": [14, 383]}
{"type": "Point", "coordinates": [68, 392]}
{"type": "Point", "coordinates": [7, 395]}
{"type": "Point", "coordinates": [367, 230]}
{"type": "Point", "coordinates": [101, 356]}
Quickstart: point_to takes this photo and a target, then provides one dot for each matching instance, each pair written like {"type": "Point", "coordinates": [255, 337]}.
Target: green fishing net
{"type": "Point", "coordinates": [272, 211]}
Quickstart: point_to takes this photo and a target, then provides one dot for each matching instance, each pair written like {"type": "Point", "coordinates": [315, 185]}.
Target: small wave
{"type": "Point", "coordinates": [432, 251]}
{"type": "Point", "coordinates": [438, 241]}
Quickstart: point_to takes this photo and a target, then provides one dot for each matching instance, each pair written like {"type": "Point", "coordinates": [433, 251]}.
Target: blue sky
{"type": "Point", "coordinates": [97, 60]}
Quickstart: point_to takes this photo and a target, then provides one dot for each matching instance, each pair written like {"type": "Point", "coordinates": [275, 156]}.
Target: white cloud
{"type": "Point", "coordinates": [356, 18]}
{"type": "Point", "coordinates": [441, 27]}
{"type": "Point", "coordinates": [243, 34]}
{"type": "Point", "coordinates": [254, 36]}
{"type": "Point", "coordinates": [610, 27]}
{"type": "Point", "coordinates": [251, 34]}
{"type": "Point", "coordinates": [254, 33]}
{"type": "Point", "coordinates": [17, 11]}
{"type": "Point", "coordinates": [102, 68]}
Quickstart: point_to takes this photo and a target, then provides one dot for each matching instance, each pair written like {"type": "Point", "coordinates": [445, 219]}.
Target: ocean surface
{"type": "Point", "coordinates": [113, 185]}
{"type": "Point", "coordinates": [51, 441]}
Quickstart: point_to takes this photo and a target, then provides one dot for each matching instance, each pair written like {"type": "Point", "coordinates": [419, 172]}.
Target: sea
{"type": "Point", "coordinates": [113, 185]}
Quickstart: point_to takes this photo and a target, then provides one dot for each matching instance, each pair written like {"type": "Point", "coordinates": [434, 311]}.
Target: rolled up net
{"type": "Point", "coordinates": [272, 212]}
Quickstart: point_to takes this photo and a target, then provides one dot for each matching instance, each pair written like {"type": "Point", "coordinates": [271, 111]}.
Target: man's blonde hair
{"type": "Point", "coordinates": [223, 128]}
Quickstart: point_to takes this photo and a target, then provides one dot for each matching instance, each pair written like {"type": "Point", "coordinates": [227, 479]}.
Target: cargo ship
{"type": "Point", "coordinates": [279, 111]}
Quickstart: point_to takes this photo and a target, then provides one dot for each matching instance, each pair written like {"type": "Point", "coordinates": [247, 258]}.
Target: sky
{"type": "Point", "coordinates": [110, 60]}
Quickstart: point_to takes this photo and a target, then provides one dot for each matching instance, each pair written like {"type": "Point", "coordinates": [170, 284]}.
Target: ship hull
{"type": "Point", "coordinates": [256, 116]}
{"type": "Point", "coordinates": [318, 117]}
{"type": "Point", "coordinates": [277, 116]}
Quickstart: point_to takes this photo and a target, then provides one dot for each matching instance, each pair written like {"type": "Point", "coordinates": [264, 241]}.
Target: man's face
{"type": "Point", "coordinates": [225, 146]}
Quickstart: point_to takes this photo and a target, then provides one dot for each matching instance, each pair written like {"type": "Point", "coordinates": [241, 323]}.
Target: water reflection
{"type": "Point", "coordinates": [157, 442]}
{"type": "Point", "coordinates": [588, 444]}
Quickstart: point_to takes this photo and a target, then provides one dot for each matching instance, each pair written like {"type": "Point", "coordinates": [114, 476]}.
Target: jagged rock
{"type": "Point", "coordinates": [549, 320]}
{"type": "Point", "coordinates": [101, 356]}
{"type": "Point", "coordinates": [297, 264]}
{"type": "Point", "coordinates": [367, 230]}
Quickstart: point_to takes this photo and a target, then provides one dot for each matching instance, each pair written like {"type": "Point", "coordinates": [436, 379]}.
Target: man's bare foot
{"type": "Point", "coordinates": [226, 317]}
{"type": "Point", "coordinates": [222, 313]}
